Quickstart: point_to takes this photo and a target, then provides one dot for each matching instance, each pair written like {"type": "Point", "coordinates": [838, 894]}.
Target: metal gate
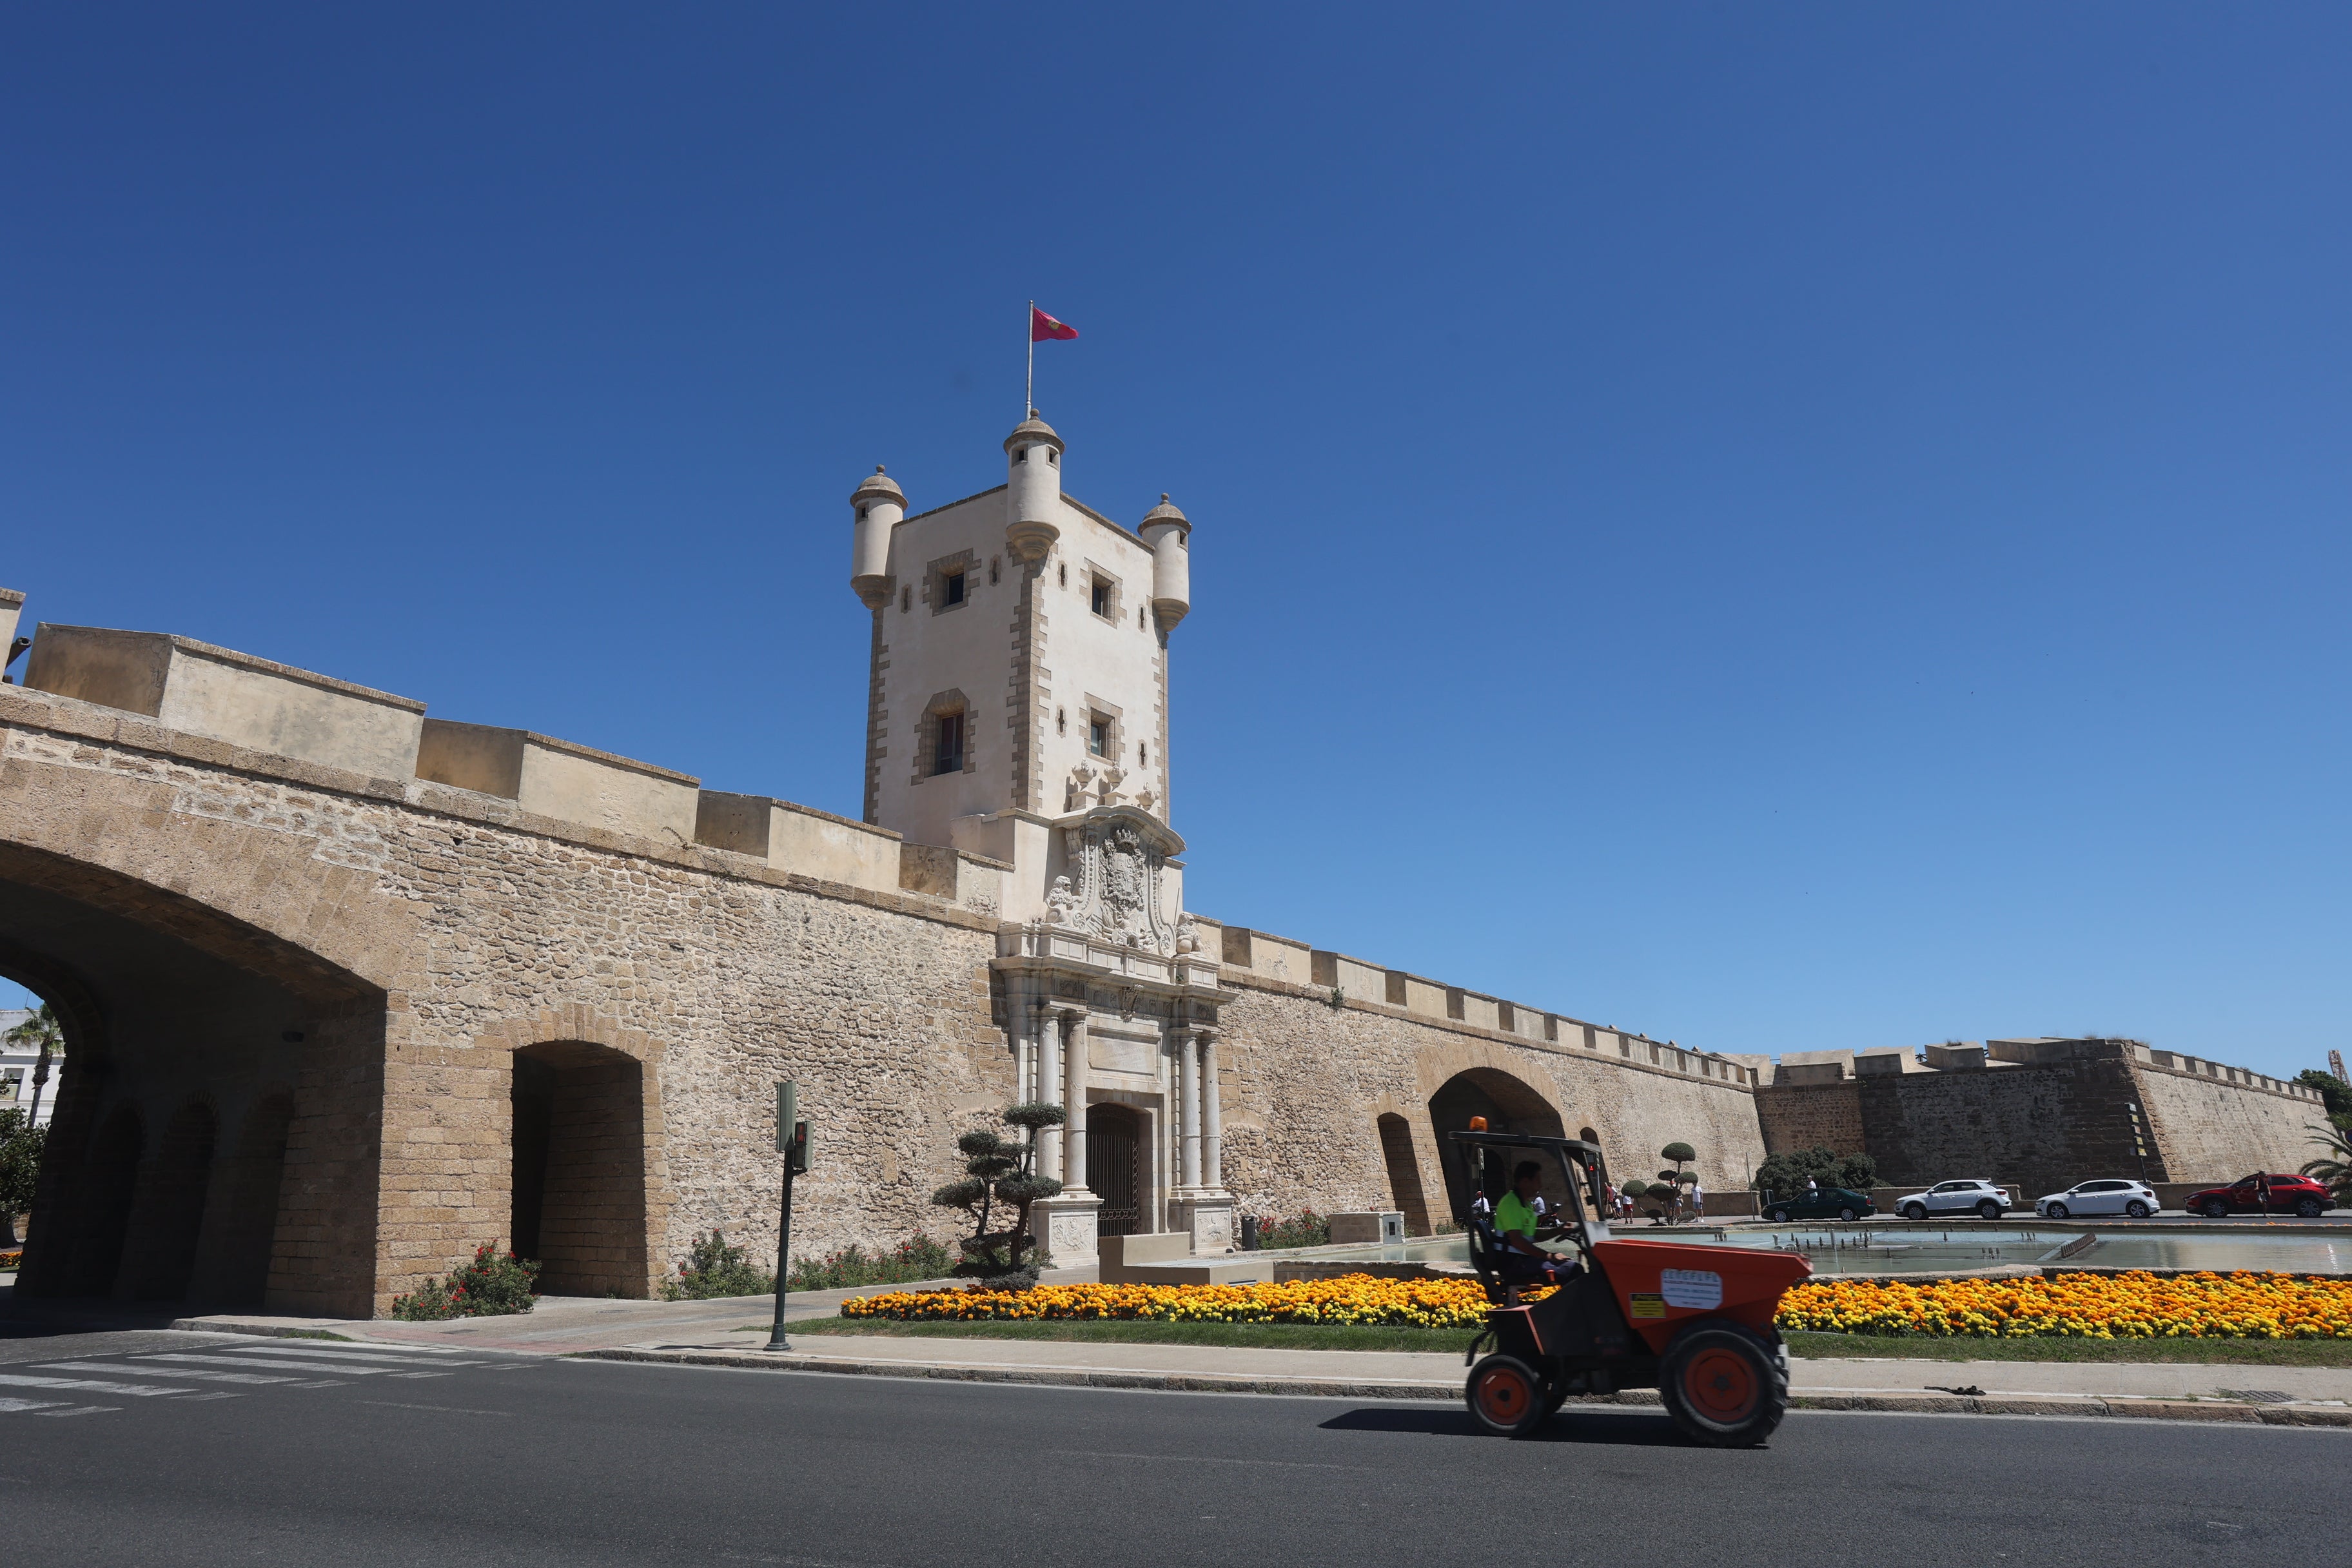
{"type": "Point", "coordinates": [1115, 1168]}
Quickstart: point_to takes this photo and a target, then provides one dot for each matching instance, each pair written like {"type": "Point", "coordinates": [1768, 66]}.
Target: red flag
{"type": "Point", "coordinates": [1043, 327]}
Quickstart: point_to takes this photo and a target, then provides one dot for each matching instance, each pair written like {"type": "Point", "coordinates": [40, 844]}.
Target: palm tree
{"type": "Point", "coordinates": [41, 1030]}
{"type": "Point", "coordinates": [2335, 1167]}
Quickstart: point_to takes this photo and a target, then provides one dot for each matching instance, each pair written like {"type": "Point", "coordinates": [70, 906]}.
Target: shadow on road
{"type": "Point", "coordinates": [1630, 1429]}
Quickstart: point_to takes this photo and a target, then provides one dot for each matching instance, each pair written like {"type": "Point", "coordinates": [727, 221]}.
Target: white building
{"type": "Point", "coordinates": [1017, 710]}
{"type": "Point", "coordinates": [17, 1066]}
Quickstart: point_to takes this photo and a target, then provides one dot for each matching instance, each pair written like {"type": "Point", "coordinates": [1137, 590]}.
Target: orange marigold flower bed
{"type": "Point", "coordinates": [1353, 1298]}
{"type": "Point", "coordinates": [2132, 1306]}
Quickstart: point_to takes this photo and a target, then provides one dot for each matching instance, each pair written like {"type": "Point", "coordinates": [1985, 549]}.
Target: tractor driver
{"type": "Point", "coordinates": [1519, 1223]}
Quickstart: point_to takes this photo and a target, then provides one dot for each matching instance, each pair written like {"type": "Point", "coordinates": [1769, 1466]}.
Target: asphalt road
{"type": "Point", "coordinates": [164, 1448]}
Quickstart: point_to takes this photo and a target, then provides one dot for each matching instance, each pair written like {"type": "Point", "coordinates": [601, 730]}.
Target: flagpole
{"type": "Point", "coordinates": [1029, 334]}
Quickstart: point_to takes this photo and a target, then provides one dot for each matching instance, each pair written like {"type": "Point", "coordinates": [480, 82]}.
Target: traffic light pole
{"type": "Point", "coordinates": [791, 1143]}
{"type": "Point", "coordinates": [776, 1341]}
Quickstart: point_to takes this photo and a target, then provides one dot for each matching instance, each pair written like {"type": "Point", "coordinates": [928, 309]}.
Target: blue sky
{"type": "Point", "coordinates": [1782, 527]}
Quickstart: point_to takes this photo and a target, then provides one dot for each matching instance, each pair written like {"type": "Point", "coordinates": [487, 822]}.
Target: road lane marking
{"type": "Point", "coordinates": [210, 1394]}
{"type": "Point", "coordinates": [438, 1409]}
{"type": "Point", "coordinates": [14, 1404]}
{"type": "Point", "coordinates": [184, 1373]}
{"type": "Point", "coordinates": [18, 1381]}
{"type": "Point", "coordinates": [239, 1361]}
{"type": "Point", "coordinates": [80, 1410]}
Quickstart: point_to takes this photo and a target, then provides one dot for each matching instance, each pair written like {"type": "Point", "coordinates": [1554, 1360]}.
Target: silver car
{"type": "Point", "coordinates": [1981, 1198]}
{"type": "Point", "coordinates": [2136, 1199]}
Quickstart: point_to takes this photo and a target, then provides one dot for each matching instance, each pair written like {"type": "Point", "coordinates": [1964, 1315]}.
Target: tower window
{"type": "Point", "coordinates": [1142, 756]}
{"type": "Point", "coordinates": [992, 563]}
{"type": "Point", "coordinates": [1098, 735]}
{"type": "Point", "coordinates": [1138, 617]}
{"type": "Point", "coordinates": [906, 599]}
{"type": "Point", "coordinates": [1052, 459]}
{"type": "Point", "coordinates": [947, 753]}
{"type": "Point", "coordinates": [1102, 597]}
{"type": "Point", "coordinates": [1061, 722]}
{"type": "Point", "coordinates": [952, 592]}
{"type": "Point", "coordinates": [1065, 574]}
{"type": "Point", "coordinates": [861, 514]}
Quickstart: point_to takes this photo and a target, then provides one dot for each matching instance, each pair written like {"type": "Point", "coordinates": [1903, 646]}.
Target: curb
{"type": "Point", "coordinates": [1210, 1382]}
{"type": "Point", "coordinates": [261, 1330]}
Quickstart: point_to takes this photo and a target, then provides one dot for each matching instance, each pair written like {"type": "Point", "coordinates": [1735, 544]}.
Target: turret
{"type": "Point", "coordinates": [1034, 495]}
{"type": "Point", "coordinates": [1168, 533]}
{"type": "Point", "coordinates": [880, 505]}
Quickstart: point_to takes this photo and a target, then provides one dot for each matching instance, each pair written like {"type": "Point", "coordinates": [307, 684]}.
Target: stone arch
{"type": "Point", "coordinates": [176, 1014]}
{"type": "Point", "coordinates": [1508, 1103]}
{"type": "Point", "coordinates": [587, 1189]}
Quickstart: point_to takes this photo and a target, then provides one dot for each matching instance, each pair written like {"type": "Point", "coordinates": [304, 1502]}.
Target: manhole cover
{"type": "Point", "coordinates": [2256, 1396]}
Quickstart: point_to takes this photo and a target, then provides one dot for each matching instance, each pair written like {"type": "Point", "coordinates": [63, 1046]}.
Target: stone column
{"type": "Point", "coordinates": [1212, 1148]}
{"type": "Point", "coordinates": [1073, 1097]}
{"type": "Point", "coordinates": [1024, 1042]}
{"type": "Point", "coordinates": [1188, 1110]}
{"type": "Point", "coordinates": [1049, 1088]}
{"type": "Point", "coordinates": [1066, 1226]}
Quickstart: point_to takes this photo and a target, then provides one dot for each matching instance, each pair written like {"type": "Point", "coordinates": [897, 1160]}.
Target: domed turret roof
{"type": "Point", "coordinates": [878, 486]}
{"type": "Point", "coordinates": [1030, 431]}
{"type": "Point", "coordinates": [1164, 512]}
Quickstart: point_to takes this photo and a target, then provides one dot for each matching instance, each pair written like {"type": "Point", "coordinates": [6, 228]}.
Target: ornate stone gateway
{"type": "Point", "coordinates": [1105, 1000]}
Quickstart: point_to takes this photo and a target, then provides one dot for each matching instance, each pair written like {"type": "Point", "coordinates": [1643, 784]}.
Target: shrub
{"type": "Point", "coordinates": [491, 1286]}
{"type": "Point", "coordinates": [1786, 1173]}
{"type": "Point", "coordinates": [20, 1165]}
{"type": "Point", "coordinates": [1307, 1228]}
{"type": "Point", "coordinates": [997, 1170]}
{"type": "Point", "coordinates": [713, 1269]}
{"type": "Point", "coordinates": [917, 1258]}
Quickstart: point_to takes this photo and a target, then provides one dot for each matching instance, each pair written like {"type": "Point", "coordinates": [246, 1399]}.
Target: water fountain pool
{"type": "Point", "coordinates": [1916, 1249]}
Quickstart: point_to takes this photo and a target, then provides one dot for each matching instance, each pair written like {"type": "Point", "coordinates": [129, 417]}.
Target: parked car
{"type": "Point", "coordinates": [2136, 1199]}
{"type": "Point", "coordinates": [1822, 1203]}
{"type": "Point", "coordinates": [2289, 1195]}
{"type": "Point", "coordinates": [1972, 1196]}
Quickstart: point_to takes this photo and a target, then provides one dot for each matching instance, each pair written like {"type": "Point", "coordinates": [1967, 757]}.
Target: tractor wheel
{"type": "Point", "coordinates": [1723, 1387]}
{"type": "Point", "coordinates": [1506, 1396]}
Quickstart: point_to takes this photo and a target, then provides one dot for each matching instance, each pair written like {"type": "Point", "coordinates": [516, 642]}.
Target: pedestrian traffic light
{"type": "Point", "coordinates": [791, 1129]}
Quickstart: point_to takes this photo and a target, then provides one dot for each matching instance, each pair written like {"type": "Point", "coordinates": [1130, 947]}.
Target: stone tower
{"type": "Point", "coordinates": [1017, 709]}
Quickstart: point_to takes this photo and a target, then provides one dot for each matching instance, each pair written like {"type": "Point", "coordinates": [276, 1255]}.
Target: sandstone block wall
{"type": "Point", "coordinates": [1796, 1116]}
{"type": "Point", "coordinates": [2213, 1130]}
{"type": "Point", "coordinates": [1305, 1085]}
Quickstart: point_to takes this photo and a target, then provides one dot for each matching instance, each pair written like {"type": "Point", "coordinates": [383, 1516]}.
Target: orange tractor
{"type": "Point", "coordinates": [1694, 1323]}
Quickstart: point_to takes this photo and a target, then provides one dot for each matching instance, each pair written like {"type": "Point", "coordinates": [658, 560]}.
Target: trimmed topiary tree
{"type": "Point", "coordinates": [998, 1171]}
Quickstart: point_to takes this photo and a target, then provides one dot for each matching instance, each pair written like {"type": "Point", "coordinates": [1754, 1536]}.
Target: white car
{"type": "Point", "coordinates": [2136, 1199]}
{"type": "Point", "coordinates": [1980, 1198]}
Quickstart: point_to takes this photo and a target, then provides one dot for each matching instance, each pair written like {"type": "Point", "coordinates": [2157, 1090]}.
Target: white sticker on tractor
{"type": "Point", "coordinates": [1700, 1287]}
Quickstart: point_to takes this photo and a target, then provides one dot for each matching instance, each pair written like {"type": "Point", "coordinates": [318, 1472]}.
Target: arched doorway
{"type": "Point", "coordinates": [1115, 1168]}
{"type": "Point", "coordinates": [1404, 1172]}
{"type": "Point", "coordinates": [101, 1219]}
{"type": "Point", "coordinates": [578, 1146]}
{"type": "Point", "coordinates": [167, 1220]}
{"type": "Point", "coordinates": [1509, 1105]}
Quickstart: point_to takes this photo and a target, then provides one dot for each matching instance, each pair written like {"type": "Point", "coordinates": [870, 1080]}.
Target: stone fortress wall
{"type": "Point", "coordinates": [2045, 1112]}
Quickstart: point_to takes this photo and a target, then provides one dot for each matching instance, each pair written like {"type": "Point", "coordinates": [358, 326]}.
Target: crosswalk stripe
{"type": "Point", "coordinates": [241, 1361]}
{"type": "Point", "coordinates": [80, 1410]}
{"type": "Point", "coordinates": [14, 1404]}
{"type": "Point", "coordinates": [15, 1380]}
{"type": "Point", "coordinates": [351, 1347]}
{"type": "Point", "coordinates": [274, 1352]}
{"type": "Point", "coordinates": [182, 1372]}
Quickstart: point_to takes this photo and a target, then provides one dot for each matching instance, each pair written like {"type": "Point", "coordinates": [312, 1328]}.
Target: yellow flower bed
{"type": "Point", "coordinates": [1355, 1299]}
{"type": "Point", "coordinates": [2082, 1306]}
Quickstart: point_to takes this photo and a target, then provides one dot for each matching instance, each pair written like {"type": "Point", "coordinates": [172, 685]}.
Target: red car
{"type": "Point", "coordinates": [2288, 1194]}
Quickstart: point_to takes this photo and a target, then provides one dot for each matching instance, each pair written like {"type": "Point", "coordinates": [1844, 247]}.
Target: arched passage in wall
{"type": "Point", "coordinates": [1404, 1172]}
{"type": "Point", "coordinates": [578, 1146]}
{"type": "Point", "coordinates": [1508, 1104]}
{"type": "Point", "coordinates": [180, 1022]}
